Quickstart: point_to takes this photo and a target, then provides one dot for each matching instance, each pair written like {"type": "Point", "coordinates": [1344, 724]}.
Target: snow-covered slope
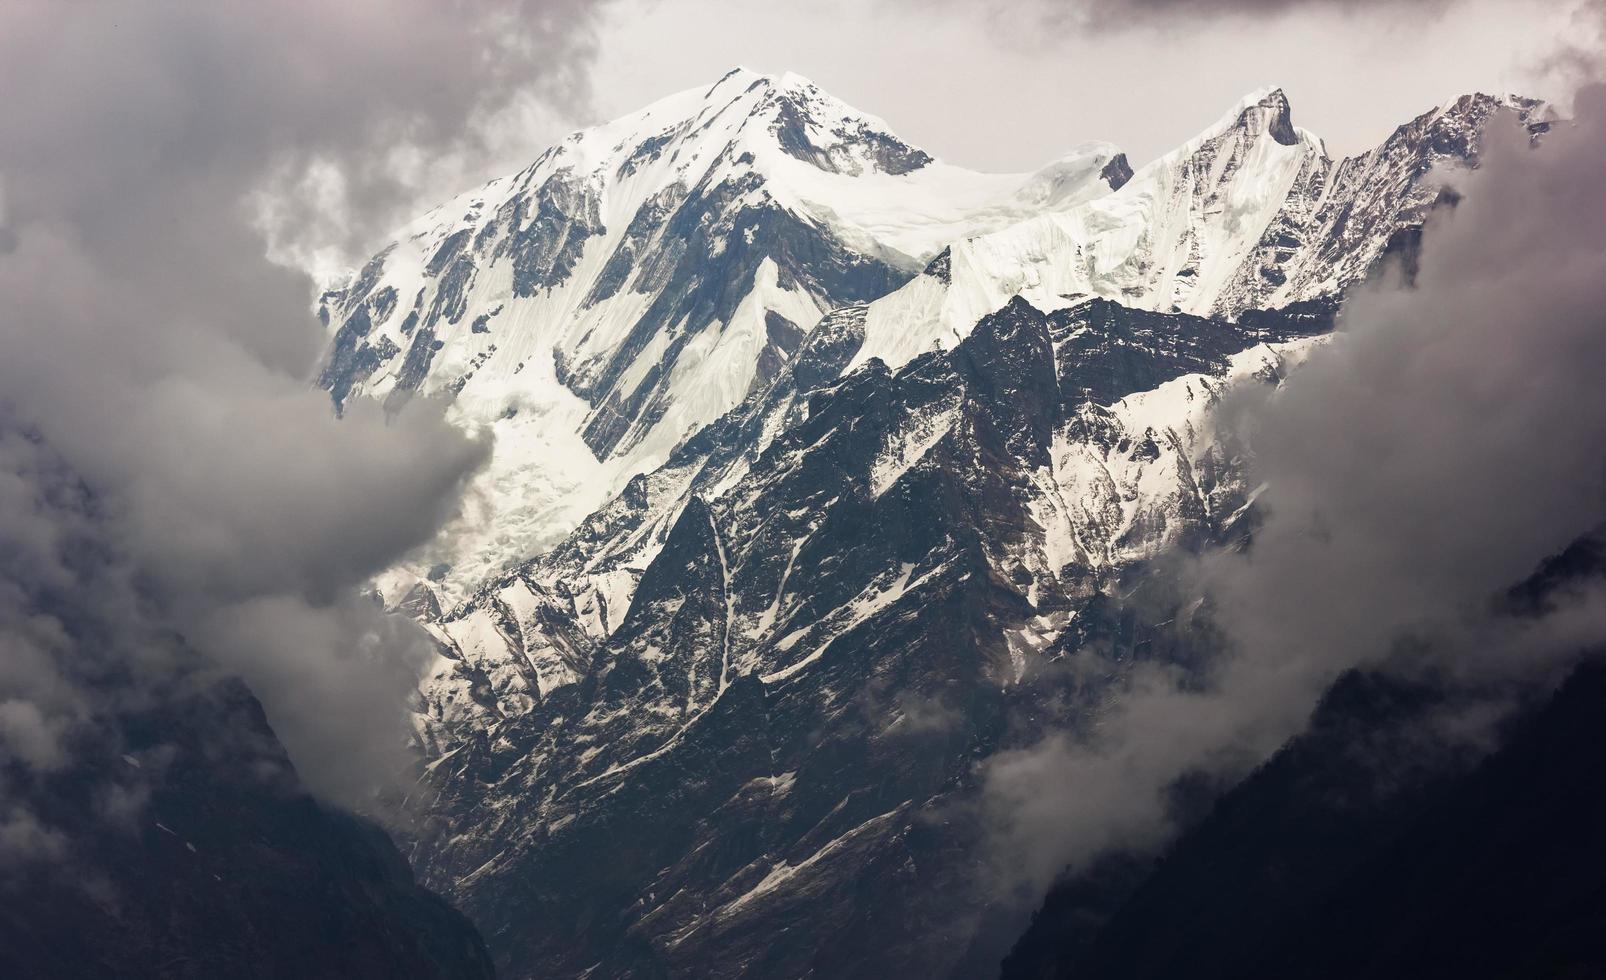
{"type": "Point", "coordinates": [640, 278]}
{"type": "Point", "coordinates": [1252, 213]}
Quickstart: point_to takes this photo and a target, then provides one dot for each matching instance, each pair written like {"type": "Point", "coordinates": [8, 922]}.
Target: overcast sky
{"type": "Point", "coordinates": [994, 85]}
{"type": "Point", "coordinates": [1000, 87]}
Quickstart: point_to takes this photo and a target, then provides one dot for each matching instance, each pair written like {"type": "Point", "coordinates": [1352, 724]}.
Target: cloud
{"type": "Point", "coordinates": [1447, 441]}
{"type": "Point", "coordinates": [1109, 12]}
{"type": "Point", "coordinates": [168, 477]}
{"type": "Point", "coordinates": [1107, 17]}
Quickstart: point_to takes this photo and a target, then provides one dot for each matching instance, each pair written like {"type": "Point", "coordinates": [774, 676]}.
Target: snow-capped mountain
{"type": "Point", "coordinates": [1361, 209]}
{"type": "Point", "coordinates": [1252, 213]}
{"type": "Point", "coordinates": [723, 718]}
{"type": "Point", "coordinates": [642, 277]}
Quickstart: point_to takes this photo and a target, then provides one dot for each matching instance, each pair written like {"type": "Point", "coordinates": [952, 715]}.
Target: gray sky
{"type": "Point", "coordinates": [1008, 87]}
{"type": "Point", "coordinates": [994, 85]}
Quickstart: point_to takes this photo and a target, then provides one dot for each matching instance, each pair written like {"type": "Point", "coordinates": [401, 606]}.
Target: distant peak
{"type": "Point", "coordinates": [1066, 181]}
{"type": "Point", "coordinates": [1264, 96]}
{"type": "Point", "coordinates": [741, 74]}
{"type": "Point", "coordinates": [1265, 110]}
{"type": "Point", "coordinates": [745, 113]}
{"type": "Point", "coordinates": [1529, 109]}
{"type": "Point", "coordinates": [742, 77]}
{"type": "Point", "coordinates": [810, 124]}
{"type": "Point", "coordinates": [792, 81]}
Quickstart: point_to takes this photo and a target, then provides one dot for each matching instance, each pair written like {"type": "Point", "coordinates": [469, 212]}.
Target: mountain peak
{"type": "Point", "coordinates": [792, 81]}
{"type": "Point", "coordinates": [811, 125]}
{"type": "Point", "coordinates": [742, 115]}
{"type": "Point", "coordinates": [741, 74]}
{"type": "Point", "coordinates": [1265, 110]}
{"type": "Point", "coordinates": [1066, 180]}
{"type": "Point", "coordinates": [742, 77]}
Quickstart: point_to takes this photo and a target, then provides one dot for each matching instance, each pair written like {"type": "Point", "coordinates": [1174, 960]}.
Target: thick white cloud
{"type": "Point", "coordinates": [166, 469]}
{"type": "Point", "coordinates": [1449, 440]}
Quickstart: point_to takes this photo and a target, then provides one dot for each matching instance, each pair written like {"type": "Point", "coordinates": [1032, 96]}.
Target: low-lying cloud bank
{"type": "Point", "coordinates": [1448, 440]}
{"type": "Point", "coordinates": [168, 478]}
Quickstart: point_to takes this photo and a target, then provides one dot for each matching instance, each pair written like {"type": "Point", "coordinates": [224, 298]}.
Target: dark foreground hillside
{"type": "Point", "coordinates": [1362, 851]}
{"type": "Point", "coordinates": [189, 851]}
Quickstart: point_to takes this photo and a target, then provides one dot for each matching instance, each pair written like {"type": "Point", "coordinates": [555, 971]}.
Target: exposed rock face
{"type": "Point", "coordinates": [783, 725]}
{"type": "Point", "coordinates": [1346, 214]}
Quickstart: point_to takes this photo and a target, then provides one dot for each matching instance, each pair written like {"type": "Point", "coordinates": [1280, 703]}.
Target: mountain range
{"type": "Point", "coordinates": [823, 472]}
